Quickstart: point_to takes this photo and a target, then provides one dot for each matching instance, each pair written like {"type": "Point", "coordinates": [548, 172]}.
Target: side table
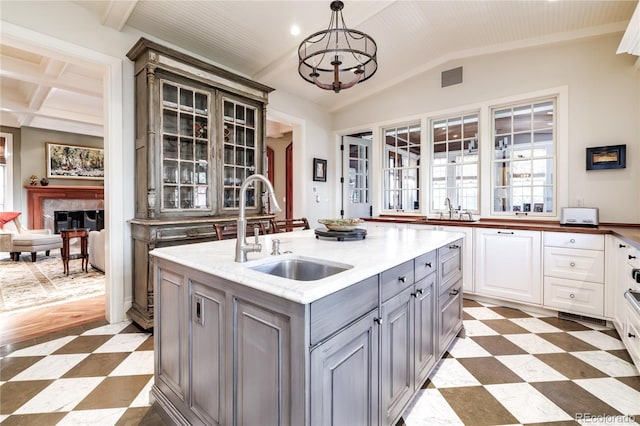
{"type": "Point", "coordinates": [68, 234]}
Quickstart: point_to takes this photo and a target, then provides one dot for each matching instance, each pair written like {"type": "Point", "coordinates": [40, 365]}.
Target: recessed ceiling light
{"type": "Point", "coordinates": [295, 30]}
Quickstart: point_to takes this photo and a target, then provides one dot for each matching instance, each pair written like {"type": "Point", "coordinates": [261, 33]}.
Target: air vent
{"type": "Point", "coordinates": [452, 77]}
{"type": "Point", "coordinates": [575, 317]}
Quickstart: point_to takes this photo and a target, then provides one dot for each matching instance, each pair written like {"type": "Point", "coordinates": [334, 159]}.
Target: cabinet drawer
{"type": "Point", "coordinates": [574, 264]}
{"type": "Point", "coordinates": [185, 233]}
{"type": "Point", "coordinates": [336, 310]}
{"type": "Point", "coordinates": [425, 265]}
{"type": "Point", "coordinates": [571, 240]}
{"type": "Point", "coordinates": [574, 296]}
{"type": "Point", "coordinates": [394, 280]}
{"type": "Point", "coordinates": [449, 264]}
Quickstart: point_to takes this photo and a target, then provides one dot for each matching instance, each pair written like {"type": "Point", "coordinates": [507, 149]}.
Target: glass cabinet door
{"type": "Point", "coordinates": [185, 148]}
{"type": "Point", "coordinates": [240, 143]}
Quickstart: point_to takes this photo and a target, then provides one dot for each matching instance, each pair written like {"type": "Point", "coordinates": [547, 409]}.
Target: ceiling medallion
{"type": "Point", "coordinates": [337, 58]}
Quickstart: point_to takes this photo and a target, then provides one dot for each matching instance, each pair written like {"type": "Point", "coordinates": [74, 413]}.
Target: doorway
{"type": "Point", "coordinates": [356, 175]}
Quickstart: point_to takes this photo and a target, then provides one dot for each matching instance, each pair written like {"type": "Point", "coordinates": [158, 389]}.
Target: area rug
{"type": "Point", "coordinates": [26, 285]}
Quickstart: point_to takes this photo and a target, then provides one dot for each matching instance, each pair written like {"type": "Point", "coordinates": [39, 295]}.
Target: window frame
{"type": "Point", "coordinates": [7, 204]}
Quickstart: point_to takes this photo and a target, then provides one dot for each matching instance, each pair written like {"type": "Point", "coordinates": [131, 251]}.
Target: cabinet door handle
{"type": "Point", "coordinates": [378, 320]}
{"type": "Point", "coordinates": [402, 279]}
{"type": "Point", "coordinates": [506, 233]}
{"type": "Point", "coordinates": [573, 296]}
{"type": "Point", "coordinates": [621, 246]}
{"type": "Point", "coordinates": [631, 335]}
{"type": "Point", "coordinates": [572, 241]}
{"type": "Point", "coordinates": [417, 292]}
{"type": "Point", "coordinates": [572, 264]}
{"type": "Point", "coordinates": [454, 247]}
{"type": "Point", "coordinates": [454, 292]}
{"type": "Point", "coordinates": [631, 257]}
{"type": "Point", "coordinates": [428, 264]}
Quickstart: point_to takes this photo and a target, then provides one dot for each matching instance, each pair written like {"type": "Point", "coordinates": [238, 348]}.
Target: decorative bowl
{"type": "Point", "coordinates": [341, 224]}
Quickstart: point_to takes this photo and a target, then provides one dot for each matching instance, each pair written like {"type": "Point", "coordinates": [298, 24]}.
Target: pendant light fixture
{"type": "Point", "coordinates": [337, 58]}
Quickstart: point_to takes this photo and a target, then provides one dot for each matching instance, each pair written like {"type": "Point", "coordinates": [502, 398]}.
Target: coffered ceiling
{"type": "Point", "coordinates": [41, 89]}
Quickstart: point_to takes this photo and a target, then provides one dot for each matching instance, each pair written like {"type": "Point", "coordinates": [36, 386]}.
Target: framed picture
{"type": "Point", "coordinates": [607, 157]}
{"type": "Point", "coordinates": [319, 170]}
{"type": "Point", "coordinates": [74, 161]}
{"type": "Point", "coordinates": [538, 207]}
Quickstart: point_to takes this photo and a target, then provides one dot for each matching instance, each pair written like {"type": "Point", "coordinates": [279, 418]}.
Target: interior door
{"type": "Point", "coordinates": [356, 176]}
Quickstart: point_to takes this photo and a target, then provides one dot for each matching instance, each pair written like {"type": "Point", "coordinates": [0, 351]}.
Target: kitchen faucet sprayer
{"type": "Point", "coordinates": [242, 247]}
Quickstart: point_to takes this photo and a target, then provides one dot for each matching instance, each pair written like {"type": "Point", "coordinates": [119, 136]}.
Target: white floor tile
{"type": "Point", "coordinates": [483, 313]}
{"type": "Point", "coordinates": [478, 328]}
{"type": "Point", "coordinates": [526, 404]}
{"type": "Point", "coordinates": [61, 395]}
{"type": "Point", "coordinates": [430, 408]}
{"type": "Point", "coordinates": [126, 342]}
{"type": "Point", "coordinates": [142, 400]}
{"type": "Point", "coordinates": [530, 368]}
{"type": "Point", "coordinates": [103, 417]}
{"type": "Point", "coordinates": [535, 325]}
{"type": "Point", "coordinates": [450, 373]}
{"type": "Point", "coordinates": [466, 348]}
{"type": "Point", "coordinates": [533, 343]}
{"type": "Point", "coordinates": [45, 348]}
{"type": "Point", "coordinates": [607, 363]}
{"type": "Point", "coordinates": [139, 362]}
{"type": "Point", "coordinates": [599, 340]}
{"type": "Point", "coordinates": [615, 393]}
{"type": "Point", "coordinates": [107, 329]}
{"type": "Point", "coordinates": [50, 367]}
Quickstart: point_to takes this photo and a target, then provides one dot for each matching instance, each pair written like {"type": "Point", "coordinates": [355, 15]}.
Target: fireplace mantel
{"type": "Point", "coordinates": [37, 194]}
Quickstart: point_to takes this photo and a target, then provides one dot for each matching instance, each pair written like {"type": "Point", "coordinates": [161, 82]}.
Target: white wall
{"type": "Point", "coordinates": [604, 108]}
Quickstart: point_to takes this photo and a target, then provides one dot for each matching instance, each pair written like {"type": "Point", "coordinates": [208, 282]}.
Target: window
{"type": "Point", "coordinates": [401, 168]}
{"type": "Point", "coordinates": [6, 172]}
{"type": "Point", "coordinates": [524, 157]}
{"type": "Point", "coordinates": [454, 163]}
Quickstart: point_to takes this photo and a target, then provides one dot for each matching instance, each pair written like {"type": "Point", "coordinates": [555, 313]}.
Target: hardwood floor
{"type": "Point", "coordinates": [30, 327]}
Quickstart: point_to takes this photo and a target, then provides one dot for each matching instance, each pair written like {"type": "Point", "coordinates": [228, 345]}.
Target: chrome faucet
{"type": "Point", "coordinates": [242, 247]}
{"type": "Point", "coordinates": [447, 203]}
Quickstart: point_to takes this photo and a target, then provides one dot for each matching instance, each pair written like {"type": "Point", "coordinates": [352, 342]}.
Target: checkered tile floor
{"type": "Point", "coordinates": [513, 368]}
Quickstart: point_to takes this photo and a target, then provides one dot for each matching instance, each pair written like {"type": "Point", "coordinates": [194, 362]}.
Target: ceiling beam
{"type": "Point", "coordinates": [117, 13]}
{"type": "Point", "coordinates": [20, 108]}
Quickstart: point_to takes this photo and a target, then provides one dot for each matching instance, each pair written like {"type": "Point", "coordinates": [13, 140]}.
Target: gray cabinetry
{"type": "Point", "coordinates": [449, 294]}
{"type": "Point", "coordinates": [199, 134]}
{"type": "Point", "coordinates": [424, 328]}
{"type": "Point", "coordinates": [344, 376]}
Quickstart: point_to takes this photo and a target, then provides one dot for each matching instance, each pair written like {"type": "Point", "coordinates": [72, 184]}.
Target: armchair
{"type": "Point", "coordinates": [15, 239]}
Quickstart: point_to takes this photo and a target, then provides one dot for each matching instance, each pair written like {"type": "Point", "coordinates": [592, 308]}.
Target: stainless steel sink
{"type": "Point", "coordinates": [300, 268]}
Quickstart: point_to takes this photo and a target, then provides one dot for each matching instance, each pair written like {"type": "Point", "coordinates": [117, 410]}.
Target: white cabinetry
{"type": "Point", "coordinates": [508, 264]}
{"type": "Point", "coordinates": [574, 272]}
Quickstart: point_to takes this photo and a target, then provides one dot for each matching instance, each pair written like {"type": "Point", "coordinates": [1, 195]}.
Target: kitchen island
{"type": "Point", "coordinates": [234, 345]}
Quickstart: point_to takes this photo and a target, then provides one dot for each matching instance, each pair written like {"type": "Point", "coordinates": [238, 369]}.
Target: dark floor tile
{"type": "Point", "coordinates": [428, 384]}
{"type": "Point", "coordinates": [573, 399]}
{"type": "Point", "coordinates": [570, 366]}
{"type": "Point", "coordinates": [489, 371]}
{"type": "Point", "coordinates": [468, 303]}
{"type": "Point", "coordinates": [147, 345]}
{"type": "Point", "coordinates": [133, 416]}
{"type": "Point", "coordinates": [568, 342]}
{"type": "Point", "coordinates": [631, 381]}
{"type": "Point", "coordinates": [94, 324]}
{"type": "Point", "coordinates": [10, 366]}
{"type": "Point", "coordinates": [498, 345]}
{"type": "Point", "coordinates": [12, 347]}
{"type": "Point", "coordinates": [476, 406]}
{"type": "Point", "coordinates": [132, 328]}
{"type": "Point", "coordinates": [565, 325]}
{"type": "Point", "coordinates": [505, 326]}
{"type": "Point", "coordinates": [509, 312]}
{"type": "Point", "coordinates": [611, 332]}
{"type": "Point", "coordinates": [466, 316]}
{"type": "Point", "coordinates": [97, 365]}
{"type": "Point", "coordinates": [564, 423]}
{"type": "Point", "coordinates": [83, 344]}
{"type": "Point", "coordinates": [622, 354]}
{"type": "Point", "coordinates": [34, 419]}
{"type": "Point", "coordinates": [400, 422]}
{"type": "Point", "coordinates": [114, 392]}
{"type": "Point", "coordinates": [73, 331]}
{"type": "Point", "coordinates": [155, 417]}
{"type": "Point", "coordinates": [14, 394]}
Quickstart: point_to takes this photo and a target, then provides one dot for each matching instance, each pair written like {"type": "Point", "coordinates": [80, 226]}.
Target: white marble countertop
{"type": "Point", "coordinates": [383, 248]}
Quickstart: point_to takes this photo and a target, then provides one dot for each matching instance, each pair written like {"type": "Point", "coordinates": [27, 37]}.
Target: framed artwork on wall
{"type": "Point", "coordinates": [607, 157]}
{"type": "Point", "coordinates": [74, 161]}
{"type": "Point", "coordinates": [319, 170]}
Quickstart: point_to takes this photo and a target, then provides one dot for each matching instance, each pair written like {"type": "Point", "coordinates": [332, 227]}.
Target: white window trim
{"type": "Point", "coordinates": [8, 190]}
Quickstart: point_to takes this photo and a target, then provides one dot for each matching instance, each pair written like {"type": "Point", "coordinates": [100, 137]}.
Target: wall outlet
{"type": "Point", "coordinates": [580, 202]}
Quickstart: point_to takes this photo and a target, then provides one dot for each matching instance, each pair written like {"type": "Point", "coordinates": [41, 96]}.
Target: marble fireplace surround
{"type": "Point", "coordinates": [42, 201]}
